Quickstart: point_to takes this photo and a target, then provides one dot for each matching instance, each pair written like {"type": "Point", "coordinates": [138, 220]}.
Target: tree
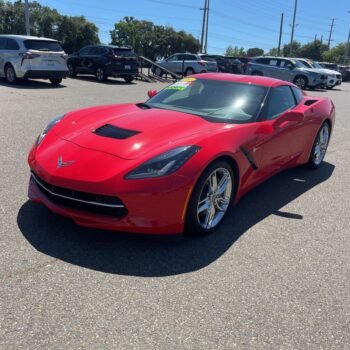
{"type": "Point", "coordinates": [72, 32]}
{"type": "Point", "coordinates": [255, 51]}
{"type": "Point", "coordinates": [230, 51]}
{"type": "Point", "coordinates": [295, 49]}
{"type": "Point", "coordinates": [273, 52]}
{"type": "Point", "coordinates": [336, 54]}
{"type": "Point", "coordinates": [152, 40]}
{"type": "Point", "coordinates": [313, 50]}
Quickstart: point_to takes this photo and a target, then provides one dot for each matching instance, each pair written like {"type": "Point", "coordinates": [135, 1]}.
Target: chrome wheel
{"type": "Point", "coordinates": [214, 198]}
{"type": "Point", "coordinates": [300, 82]}
{"type": "Point", "coordinates": [321, 145]}
{"type": "Point", "coordinates": [10, 75]}
{"type": "Point", "coordinates": [100, 74]}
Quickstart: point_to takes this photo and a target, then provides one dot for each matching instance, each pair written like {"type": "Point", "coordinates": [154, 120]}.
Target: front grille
{"type": "Point", "coordinates": [114, 132]}
{"type": "Point", "coordinates": [84, 201]}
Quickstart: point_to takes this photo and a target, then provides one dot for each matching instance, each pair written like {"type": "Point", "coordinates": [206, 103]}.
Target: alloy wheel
{"type": "Point", "coordinates": [321, 145]}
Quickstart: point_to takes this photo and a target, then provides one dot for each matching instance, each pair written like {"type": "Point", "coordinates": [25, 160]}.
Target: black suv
{"type": "Point", "coordinates": [104, 61]}
{"type": "Point", "coordinates": [225, 64]}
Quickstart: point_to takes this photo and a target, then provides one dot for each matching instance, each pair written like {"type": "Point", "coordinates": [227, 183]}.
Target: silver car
{"type": "Point", "coordinates": [288, 69]}
{"type": "Point", "coordinates": [187, 64]}
{"type": "Point", "coordinates": [23, 57]}
{"type": "Point", "coordinates": [333, 77]}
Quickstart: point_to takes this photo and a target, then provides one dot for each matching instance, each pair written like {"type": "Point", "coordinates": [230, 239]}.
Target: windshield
{"type": "Point", "coordinates": [311, 64]}
{"type": "Point", "coordinates": [300, 64]}
{"type": "Point", "coordinates": [43, 45]}
{"type": "Point", "coordinates": [215, 100]}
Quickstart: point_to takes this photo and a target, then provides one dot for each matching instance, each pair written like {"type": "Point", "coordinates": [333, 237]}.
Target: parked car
{"type": "Point", "coordinates": [245, 61]}
{"type": "Point", "coordinates": [333, 77]}
{"type": "Point", "coordinates": [23, 57]}
{"type": "Point", "coordinates": [186, 63]}
{"type": "Point", "coordinates": [225, 64]}
{"type": "Point", "coordinates": [104, 61]}
{"type": "Point", "coordinates": [328, 65]}
{"type": "Point", "coordinates": [181, 160]}
{"type": "Point", "coordinates": [345, 72]}
{"type": "Point", "coordinates": [287, 69]}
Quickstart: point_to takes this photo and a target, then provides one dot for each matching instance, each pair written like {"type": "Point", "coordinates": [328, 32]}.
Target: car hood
{"type": "Point", "coordinates": [131, 132]}
{"type": "Point", "coordinates": [325, 71]}
{"type": "Point", "coordinates": [310, 70]}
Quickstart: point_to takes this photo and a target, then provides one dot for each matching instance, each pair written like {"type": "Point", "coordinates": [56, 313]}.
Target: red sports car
{"type": "Point", "coordinates": [179, 161]}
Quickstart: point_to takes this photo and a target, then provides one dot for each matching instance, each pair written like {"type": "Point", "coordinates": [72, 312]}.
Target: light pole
{"type": "Point", "coordinates": [26, 12]}
{"type": "Point", "coordinates": [347, 48]}
{"type": "Point", "coordinates": [293, 25]}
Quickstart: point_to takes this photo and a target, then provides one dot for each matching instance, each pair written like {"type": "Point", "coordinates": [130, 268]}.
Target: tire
{"type": "Point", "coordinates": [10, 74]}
{"type": "Point", "coordinates": [100, 74]}
{"type": "Point", "coordinates": [56, 81]}
{"type": "Point", "coordinates": [189, 71]}
{"type": "Point", "coordinates": [204, 218]}
{"type": "Point", "coordinates": [158, 72]}
{"type": "Point", "coordinates": [256, 72]}
{"type": "Point", "coordinates": [319, 147]}
{"type": "Point", "coordinates": [128, 79]}
{"type": "Point", "coordinates": [72, 71]}
{"type": "Point", "coordinates": [330, 87]}
{"type": "Point", "coordinates": [300, 81]}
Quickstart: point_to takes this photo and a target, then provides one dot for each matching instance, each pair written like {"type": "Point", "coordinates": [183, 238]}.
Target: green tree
{"type": "Point", "coordinates": [295, 49]}
{"type": "Point", "coordinates": [273, 52]}
{"type": "Point", "coordinates": [72, 32]}
{"type": "Point", "coordinates": [152, 40]}
{"type": "Point", "coordinates": [235, 51]}
{"type": "Point", "coordinates": [335, 54]}
{"type": "Point", "coordinates": [255, 51]}
{"type": "Point", "coordinates": [313, 50]}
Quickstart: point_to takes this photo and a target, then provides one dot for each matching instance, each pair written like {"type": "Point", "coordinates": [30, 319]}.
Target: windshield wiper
{"type": "Point", "coordinates": [143, 105]}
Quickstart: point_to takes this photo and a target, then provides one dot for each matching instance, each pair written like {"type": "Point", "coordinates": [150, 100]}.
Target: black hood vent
{"type": "Point", "coordinates": [114, 132]}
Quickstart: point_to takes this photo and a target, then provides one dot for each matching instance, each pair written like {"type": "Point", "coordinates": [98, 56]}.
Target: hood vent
{"type": "Point", "coordinates": [114, 132]}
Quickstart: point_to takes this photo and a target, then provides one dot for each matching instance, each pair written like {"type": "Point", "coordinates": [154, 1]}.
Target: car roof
{"type": "Point", "coordinates": [25, 37]}
{"type": "Point", "coordinates": [244, 79]}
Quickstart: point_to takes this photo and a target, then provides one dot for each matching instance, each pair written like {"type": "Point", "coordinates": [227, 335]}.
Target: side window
{"type": "Point", "coordinates": [289, 64]}
{"type": "Point", "coordinates": [12, 44]}
{"type": "Point", "coordinates": [173, 58]}
{"type": "Point", "coordinates": [282, 63]}
{"type": "Point", "coordinates": [85, 51]}
{"type": "Point", "coordinates": [298, 94]}
{"type": "Point", "coordinates": [190, 58]}
{"type": "Point", "coordinates": [273, 63]}
{"type": "Point", "coordinates": [281, 99]}
{"type": "Point", "coordinates": [263, 60]}
{"type": "Point", "coordinates": [2, 43]}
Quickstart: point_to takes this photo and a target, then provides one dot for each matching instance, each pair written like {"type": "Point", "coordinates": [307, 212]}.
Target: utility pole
{"type": "Point", "coordinates": [330, 33]}
{"type": "Point", "coordinates": [206, 30]}
{"type": "Point", "coordinates": [26, 12]}
{"type": "Point", "coordinates": [346, 56]}
{"type": "Point", "coordinates": [293, 26]}
{"type": "Point", "coordinates": [280, 36]}
{"type": "Point", "coordinates": [315, 38]}
{"type": "Point", "coordinates": [321, 39]}
{"type": "Point", "coordinates": [203, 24]}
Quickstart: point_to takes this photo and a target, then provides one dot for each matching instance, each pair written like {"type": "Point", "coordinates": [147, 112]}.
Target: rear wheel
{"type": "Point", "coordinates": [72, 72]}
{"type": "Point", "coordinates": [128, 79]}
{"type": "Point", "coordinates": [319, 148]}
{"type": "Point", "coordinates": [210, 200]}
{"type": "Point", "coordinates": [100, 74]}
{"type": "Point", "coordinates": [300, 81]}
{"type": "Point", "coordinates": [189, 71]}
{"type": "Point", "coordinates": [158, 72]}
{"type": "Point", "coordinates": [10, 74]}
{"type": "Point", "coordinates": [56, 81]}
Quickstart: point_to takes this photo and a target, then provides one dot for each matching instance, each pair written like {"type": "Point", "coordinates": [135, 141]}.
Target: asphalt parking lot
{"type": "Point", "coordinates": [276, 275]}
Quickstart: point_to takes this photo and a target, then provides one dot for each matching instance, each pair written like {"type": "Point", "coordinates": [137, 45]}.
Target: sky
{"type": "Point", "coordinates": [242, 23]}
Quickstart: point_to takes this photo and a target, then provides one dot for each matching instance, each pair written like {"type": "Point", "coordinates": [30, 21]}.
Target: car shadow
{"type": "Point", "coordinates": [109, 81]}
{"type": "Point", "coordinates": [31, 84]}
{"type": "Point", "coordinates": [137, 255]}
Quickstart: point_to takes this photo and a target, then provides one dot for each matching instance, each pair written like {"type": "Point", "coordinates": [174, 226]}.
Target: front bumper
{"type": "Point", "coordinates": [46, 74]}
{"type": "Point", "coordinates": [317, 82]}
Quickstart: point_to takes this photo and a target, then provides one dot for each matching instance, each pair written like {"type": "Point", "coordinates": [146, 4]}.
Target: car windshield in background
{"type": "Point", "coordinates": [124, 53]}
{"type": "Point", "coordinates": [43, 45]}
{"type": "Point", "coordinates": [217, 101]}
{"type": "Point", "coordinates": [300, 64]}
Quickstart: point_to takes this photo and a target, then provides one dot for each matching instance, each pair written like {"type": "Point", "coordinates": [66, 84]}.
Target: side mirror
{"type": "Point", "coordinates": [152, 93]}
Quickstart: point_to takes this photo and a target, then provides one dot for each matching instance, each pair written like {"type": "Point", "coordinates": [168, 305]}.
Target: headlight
{"type": "Point", "coordinates": [46, 130]}
{"type": "Point", "coordinates": [164, 164]}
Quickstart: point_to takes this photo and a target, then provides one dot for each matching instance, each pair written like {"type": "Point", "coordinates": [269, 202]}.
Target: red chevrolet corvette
{"type": "Point", "coordinates": [179, 161]}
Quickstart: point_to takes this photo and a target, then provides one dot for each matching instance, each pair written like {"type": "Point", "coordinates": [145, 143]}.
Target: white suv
{"type": "Point", "coordinates": [23, 57]}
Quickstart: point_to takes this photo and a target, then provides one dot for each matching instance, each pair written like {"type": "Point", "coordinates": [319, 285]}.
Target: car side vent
{"type": "Point", "coordinates": [309, 102]}
{"type": "Point", "coordinates": [114, 132]}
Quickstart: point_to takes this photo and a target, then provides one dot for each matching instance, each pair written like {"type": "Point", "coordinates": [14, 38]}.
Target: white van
{"type": "Point", "coordinates": [23, 57]}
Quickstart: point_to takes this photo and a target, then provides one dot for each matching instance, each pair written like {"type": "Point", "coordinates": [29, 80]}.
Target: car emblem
{"type": "Point", "coordinates": [61, 163]}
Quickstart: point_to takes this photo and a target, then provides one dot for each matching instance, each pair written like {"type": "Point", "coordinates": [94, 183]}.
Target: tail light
{"type": "Point", "coordinates": [28, 55]}
{"type": "Point", "coordinates": [202, 63]}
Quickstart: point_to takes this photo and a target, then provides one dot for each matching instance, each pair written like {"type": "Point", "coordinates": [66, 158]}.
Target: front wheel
{"type": "Point", "coordinates": [56, 81]}
{"type": "Point", "coordinates": [72, 71]}
{"type": "Point", "coordinates": [319, 147]}
{"type": "Point", "coordinates": [210, 200]}
{"type": "Point", "coordinates": [300, 82]}
{"type": "Point", "coordinates": [128, 79]}
{"type": "Point", "coordinates": [100, 74]}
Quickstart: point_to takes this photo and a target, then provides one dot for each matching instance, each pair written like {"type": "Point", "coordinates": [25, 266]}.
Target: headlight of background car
{"type": "Point", "coordinates": [164, 164]}
{"type": "Point", "coordinates": [46, 130]}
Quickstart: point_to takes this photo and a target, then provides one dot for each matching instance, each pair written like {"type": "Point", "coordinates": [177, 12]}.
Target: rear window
{"type": "Point", "coordinates": [43, 45]}
{"type": "Point", "coordinates": [124, 53]}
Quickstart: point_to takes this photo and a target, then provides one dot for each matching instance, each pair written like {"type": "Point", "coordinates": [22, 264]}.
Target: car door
{"type": "Point", "coordinates": [285, 68]}
{"type": "Point", "coordinates": [172, 63]}
{"type": "Point", "coordinates": [281, 127]}
{"type": "Point", "coordinates": [81, 60]}
{"type": "Point", "coordinates": [2, 55]}
{"type": "Point", "coordinates": [272, 68]}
